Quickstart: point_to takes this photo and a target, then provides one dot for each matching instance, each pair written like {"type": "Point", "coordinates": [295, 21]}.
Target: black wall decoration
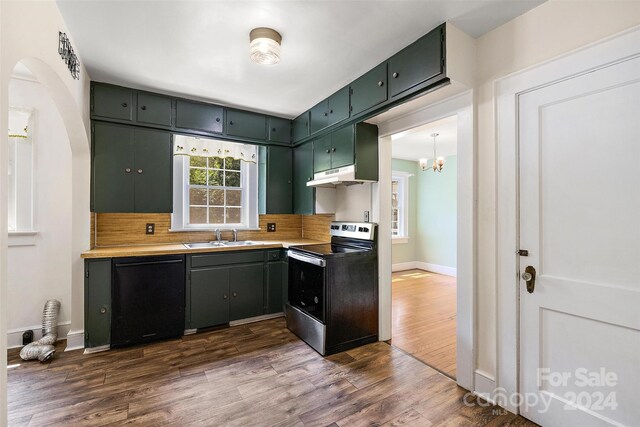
{"type": "Point", "coordinates": [68, 55]}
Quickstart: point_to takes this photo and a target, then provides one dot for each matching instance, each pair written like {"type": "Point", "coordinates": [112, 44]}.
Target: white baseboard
{"type": "Point", "coordinates": [14, 336]}
{"type": "Point", "coordinates": [256, 319]}
{"type": "Point", "coordinates": [485, 386]}
{"type": "Point", "coordinates": [402, 266]}
{"type": "Point", "coordinates": [434, 268]}
{"type": "Point", "coordinates": [75, 340]}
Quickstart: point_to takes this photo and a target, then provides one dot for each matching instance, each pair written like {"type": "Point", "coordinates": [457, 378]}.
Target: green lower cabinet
{"type": "Point", "coordinates": [276, 293]}
{"type": "Point", "coordinates": [246, 285]}
{"type": "Point", "coordinates": [223, 293]}
{"type": "Point", "coordinates": [97, 302]}
{"type": "Point", "coordinates": [209, 297]}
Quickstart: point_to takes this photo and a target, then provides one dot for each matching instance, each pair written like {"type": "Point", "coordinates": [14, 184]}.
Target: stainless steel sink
{"type": "Point", "coordinates": [223, 243]}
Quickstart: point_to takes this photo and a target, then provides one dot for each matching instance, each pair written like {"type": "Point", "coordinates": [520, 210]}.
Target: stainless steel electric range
{"type": "Point", "coordinates": [333, 289]}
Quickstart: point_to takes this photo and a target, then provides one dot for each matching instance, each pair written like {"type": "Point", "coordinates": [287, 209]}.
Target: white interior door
{"type": "Point", "coordinates": [579, 174]}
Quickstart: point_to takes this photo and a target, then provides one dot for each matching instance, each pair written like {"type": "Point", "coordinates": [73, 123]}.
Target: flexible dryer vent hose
{"type": "Point", "coordinates": [43, 349]}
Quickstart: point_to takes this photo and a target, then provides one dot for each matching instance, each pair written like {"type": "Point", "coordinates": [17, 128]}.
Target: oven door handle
{"type": "Point", "coordinates": [308, 259]}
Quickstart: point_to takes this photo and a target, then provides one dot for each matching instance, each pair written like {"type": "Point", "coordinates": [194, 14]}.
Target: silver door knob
{"type": "Point", "coordinates": [526, 276]}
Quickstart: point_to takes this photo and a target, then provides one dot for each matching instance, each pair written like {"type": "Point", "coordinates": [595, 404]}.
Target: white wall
{"type": "Point", "coordinates": [352, 201]}
{"type": "Point", "coordinates": [42, 271]}
{"type": "Point", "coordinates": [29, 33]}
{"type": "Point", "coordinates": [554, 28]}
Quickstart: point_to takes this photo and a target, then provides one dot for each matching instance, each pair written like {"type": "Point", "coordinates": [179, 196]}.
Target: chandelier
{"type": "Point", "coordinates": [438, 162]}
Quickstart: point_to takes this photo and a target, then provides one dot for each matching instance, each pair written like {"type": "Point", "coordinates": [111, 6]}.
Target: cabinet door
{"type": "Point", "coordinates": [301, 127]}
{"type": "Point", "coordinates": [199, 117]}
{"type": "Point", "coordinates": [279, 130]}
{"type": "Point", "coordinates": [322, 154]}
{"type": "Point", "coordinates": [369, 90]}
{"type": "Point", "coordinates": [303, 196]}
{"type": "Point", "coordinates": [113, 169]}
{"type": "Point", "coordinates": [209, 297]}
{"type": "Point", "coordinates": [154, 109]}
{"type": "Point", "coordinates": [278, 180]}
{"type": "Point", "coordinates": [112, 102]}
{"type": "Point", "coordinates": [416, 63]}
{"type": "Point", "coordinates": [274, 289]}
{"type": "Point", "coordinates": [153, 171]}
{"type": "Point", "coordinates": [246, 284]}
{"type": "Point", "coordinates": [97, 300]}
{"type": "Point", "coordinates": [338, 106]}
{"type": "Point", "coordinates": [318, 116]}
{"type": "Point", "coordinates": [246, 124]}
{"type": "Point", "coordinates": [342, 144]}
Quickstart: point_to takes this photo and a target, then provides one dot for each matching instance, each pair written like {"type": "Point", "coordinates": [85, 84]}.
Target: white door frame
{"type": "Point", "coordinates": [507, 90]}
{"type": "Point", "coordinates": [462, 106]}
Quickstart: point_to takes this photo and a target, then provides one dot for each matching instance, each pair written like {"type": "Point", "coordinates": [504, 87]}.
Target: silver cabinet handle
{"type": "Point", "coordinates": [139, 170]}
{"type": "Point", "coordinates": [235, 294]}
{"type": "Point", "coordinates": [103, 310]}
{"type": "Point", "coordinates": [127, 170]}
{"type": "Point", "coordinates": [380, 83]}
{"type": "Point", "coordinates": [395, 75]}
{"type": "Point", "coordinates": [224, 296]}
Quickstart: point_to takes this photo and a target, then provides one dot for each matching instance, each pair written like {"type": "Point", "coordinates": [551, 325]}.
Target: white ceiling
{"type": "Point", "coordinates": [417, 143]}
{"type": "Point", "coordinates": [199, 49]}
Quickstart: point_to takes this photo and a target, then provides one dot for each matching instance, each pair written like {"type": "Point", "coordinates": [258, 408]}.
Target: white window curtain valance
{"type": "Point", "coordinates": [19, 122]}
{"type": "Point", "coordinates": [192, 146]}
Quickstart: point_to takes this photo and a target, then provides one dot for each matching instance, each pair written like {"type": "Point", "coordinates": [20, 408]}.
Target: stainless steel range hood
{"type": "Point", "coordinates": [342, 176]}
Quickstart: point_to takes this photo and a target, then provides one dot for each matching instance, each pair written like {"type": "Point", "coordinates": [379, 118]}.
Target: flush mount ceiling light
{"type": "Point", "coordinates": [264, 47]}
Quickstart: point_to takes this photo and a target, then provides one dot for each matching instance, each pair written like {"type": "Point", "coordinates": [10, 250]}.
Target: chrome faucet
{"type": "Point", "coordinates": [235, 235]}
{"type": "Point", "coordinates": [218, 235]}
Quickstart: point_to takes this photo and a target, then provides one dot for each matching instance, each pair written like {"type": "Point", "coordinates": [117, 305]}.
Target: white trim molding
{"type": "Point", "coordinates": [600, 54]}
{"type": "Point", "coordinates": [14, 336]}
{"type": "Point", "coordinates": [432, 268]}
{"type": "Point", "coordinates": [485, 386]}
{"type": "Point", "coordinates": [75, 340]}
{"type": "Point", "coordinates": [22, 238]}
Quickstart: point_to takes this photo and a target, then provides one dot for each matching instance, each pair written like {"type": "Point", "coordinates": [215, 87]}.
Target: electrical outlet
{"type": "Point", "coordinates": [271, 227]}
{"type": "Point", "coordinates": [151, 228]}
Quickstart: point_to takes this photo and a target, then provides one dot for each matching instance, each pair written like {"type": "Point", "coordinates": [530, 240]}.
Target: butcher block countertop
{"type": "Point", "coordinates": [180, 248]}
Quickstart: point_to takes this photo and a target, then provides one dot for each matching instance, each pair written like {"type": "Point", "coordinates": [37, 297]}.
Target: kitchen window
{"type": "Point", "coordinates": [400, 207]}
{"type": "Point", "coordinates": [214, 191]}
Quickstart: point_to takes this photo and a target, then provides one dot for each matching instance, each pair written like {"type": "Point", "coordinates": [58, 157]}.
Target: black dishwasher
{"type": "Point", "coordinates": [148, 299]}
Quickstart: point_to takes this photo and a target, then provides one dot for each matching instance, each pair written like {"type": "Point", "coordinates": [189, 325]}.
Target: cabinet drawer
{"type": "Point", "coordinates": [199, 117]}
{"type": "Point", "coordinates": [206, 260]}
{"type": "Point", "coordinates": [274, 255]}
{"type": "Point", "coordinates": [246, 125]}
{"type": "Point", "coordinates": [279, 130]}
{"type": "Point", "coordinates": [113, 102]}
{"type": "Point", "coordinates": [154, 109]}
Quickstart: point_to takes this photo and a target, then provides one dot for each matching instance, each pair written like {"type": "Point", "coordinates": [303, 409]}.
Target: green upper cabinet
{"type": "Point", "coordinates": [112, 168]}
{"type": "Point", "coordinates": [279, 130]}
{"type": "Point", "coordinates": [154, 109]}
{"type": "Point", "coordinates": [342, 142]}
{"type": "Point", "coordinates": [245, 124]}
{"type": "Point", "coordinates": [153, 171]}
{"type": "Point", "coordinates": [418, 63]}
{"type": "Point", "coordinates": [369, 90]}
{"type": "Point", "coordinates": [199, 117]}
{"type": "Point", "coordinates": [303, 196]}
{"type": "Point", "coordinates": [112, 102]}
{"type": "Point", "coordinates": [334, 150]}
{"type": "Point", "coordinates": [131, 169]}
{"type": "Point", "coordinates": [322, 154]}
{"type": "Point", "coordinates": [97, 302]}
{"type": "Point", "coordinates": [330, 111]}
{"type": "Point", "coordinates": [355, 144]}
{"type": "Point", "coordinates": [275, 180]}
{"type": "Point", "coordinates": [301, 127]}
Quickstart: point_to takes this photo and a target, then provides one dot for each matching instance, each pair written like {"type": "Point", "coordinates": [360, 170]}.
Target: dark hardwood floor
{"type": "Point", "coordinates": [258, 374]}
{"type": "Point", "coordinates": [424, 317]}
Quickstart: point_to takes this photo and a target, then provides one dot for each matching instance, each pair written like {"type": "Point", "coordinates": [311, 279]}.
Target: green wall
{"type": "Point", "coordinates": [432, 215]}
{"type": "Point", "coordinates": [405, 252]}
